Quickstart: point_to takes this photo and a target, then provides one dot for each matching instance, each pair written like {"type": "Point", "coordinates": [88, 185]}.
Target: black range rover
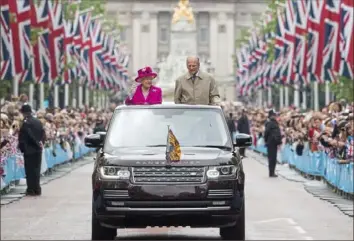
{"type": "Point", "coordinates": [133, 186]}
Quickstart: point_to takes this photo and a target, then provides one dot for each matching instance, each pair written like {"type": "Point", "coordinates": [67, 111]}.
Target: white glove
{"type": "Point", "coordinates": [132, 89]}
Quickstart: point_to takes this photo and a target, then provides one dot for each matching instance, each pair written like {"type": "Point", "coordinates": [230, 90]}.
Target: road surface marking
{"type": "Point", "coordinates": [31, 225]}
{"type": "Point", "coordinates": [289, 220]}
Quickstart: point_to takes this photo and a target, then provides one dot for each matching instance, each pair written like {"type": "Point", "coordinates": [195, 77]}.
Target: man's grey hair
{"type": "Point", "coordinates": [193, 57]}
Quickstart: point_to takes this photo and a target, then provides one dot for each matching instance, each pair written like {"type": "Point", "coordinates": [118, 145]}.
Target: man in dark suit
{"type": "Point", "coordinates": [31, 139]}
{"type": "Point", "coordinates": [243, 126]}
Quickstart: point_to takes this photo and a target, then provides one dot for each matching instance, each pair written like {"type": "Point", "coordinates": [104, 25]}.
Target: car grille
{"type": "Point", "coordinates": [168, 175]}
{"type": "Point", "coordinates": [220, 193]}
{"type": "Point", "coordinates": [115, 194]}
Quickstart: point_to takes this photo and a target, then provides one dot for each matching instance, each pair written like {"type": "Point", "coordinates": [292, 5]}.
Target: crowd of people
{"type": "Point", "coordinates": [61, 126]}
{"type": "Point", "coordinates": [330, 130]}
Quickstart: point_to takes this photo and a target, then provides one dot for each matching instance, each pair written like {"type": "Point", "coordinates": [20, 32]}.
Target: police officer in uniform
{"type": "Point", "coordinates": [31, 139]}
{"type": "Point", "coordinates": [99, 126]}
{"type": "Point", "coordinates": [272, 139]}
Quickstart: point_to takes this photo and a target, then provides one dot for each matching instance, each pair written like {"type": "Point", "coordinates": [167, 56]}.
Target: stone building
{"type": "Point", "coordinates": [146, 30]}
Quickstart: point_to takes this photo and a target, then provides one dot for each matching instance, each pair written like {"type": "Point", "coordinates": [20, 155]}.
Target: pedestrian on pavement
{"type": "Point", "coordinates": [272, 139]}
{"type": "Point", "coordinates": [144, 93]}
{"type": "Point", "coordinates": [231, 125]}
{"type": "Point", "coordinates": [243, 126]}
{"type": "Point", "coordinates": [196, 87]}
{"type": "Point", "coordinates": [31, 139]}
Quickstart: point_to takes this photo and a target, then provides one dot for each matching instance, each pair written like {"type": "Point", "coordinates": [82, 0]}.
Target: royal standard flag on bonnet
{"type": "Point", "coordinates": [173, 149]}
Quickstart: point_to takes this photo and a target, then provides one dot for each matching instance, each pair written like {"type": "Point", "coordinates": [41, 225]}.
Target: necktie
{"type": "Point", "coordinates": [193, 78]}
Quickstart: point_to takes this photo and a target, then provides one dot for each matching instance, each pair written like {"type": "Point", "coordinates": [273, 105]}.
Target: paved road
{"type": "Point", "coordinates": [276, 209]}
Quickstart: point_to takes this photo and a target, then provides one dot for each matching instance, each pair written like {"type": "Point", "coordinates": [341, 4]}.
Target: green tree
{"type": "Point", "coordinates": [5, 88]}
{"type": "Point", "coordinates": [344, 89]}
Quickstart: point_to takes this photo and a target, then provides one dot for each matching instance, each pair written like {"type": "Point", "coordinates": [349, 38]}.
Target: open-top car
{"type": "Point", "coordinates": [135, 185]}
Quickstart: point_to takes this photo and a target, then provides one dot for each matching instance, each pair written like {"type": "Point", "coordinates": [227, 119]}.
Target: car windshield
{"type": "Point", "coordinates": [148, 127]}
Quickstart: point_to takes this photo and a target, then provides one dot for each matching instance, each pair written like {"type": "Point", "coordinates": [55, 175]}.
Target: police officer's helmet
{"type": "Point", "coordinates": [272, 113]}
{"type": "Point", "coordinates": [26, 109]}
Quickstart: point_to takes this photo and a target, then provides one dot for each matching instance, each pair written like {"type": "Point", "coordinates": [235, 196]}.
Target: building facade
{"type": "Point", "coordinates": [146, 28]}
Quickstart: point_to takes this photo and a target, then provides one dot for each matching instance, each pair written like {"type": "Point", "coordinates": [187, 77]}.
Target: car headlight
{"type": "Point", "coordinates": [221, 171]}
{"type": "Point", "coordinates": [112, 172]}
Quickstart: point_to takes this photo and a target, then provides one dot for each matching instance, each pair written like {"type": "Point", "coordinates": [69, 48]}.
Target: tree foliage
{"type": "Point", "coordinates": [5, 88]}
{"type": "Point", "coordinates": [273, 9]}
{"type": "Point", "coordinates": [344, 89]}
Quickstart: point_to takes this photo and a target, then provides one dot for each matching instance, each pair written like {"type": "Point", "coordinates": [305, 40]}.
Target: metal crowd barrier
{"type": "Point", "coordinates": [14, 165]}
{"type": "Point", "coordinates": [317, 164]}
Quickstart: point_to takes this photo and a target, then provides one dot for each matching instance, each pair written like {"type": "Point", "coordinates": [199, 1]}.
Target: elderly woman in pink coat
{"type": "Point", "coordinates": [145, 93]}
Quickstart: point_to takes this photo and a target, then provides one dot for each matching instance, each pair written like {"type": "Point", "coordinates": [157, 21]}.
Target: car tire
{"type": "Point", "coordinates": [237, 231]}
{"type": "Point", "coordinates": [98, 232]}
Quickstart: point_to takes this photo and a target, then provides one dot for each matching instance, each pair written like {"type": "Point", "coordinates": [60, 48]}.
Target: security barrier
{"type": "Point", "coordinates": [51, 157]}
{"type": "Point", "coordinates": [316, 164]}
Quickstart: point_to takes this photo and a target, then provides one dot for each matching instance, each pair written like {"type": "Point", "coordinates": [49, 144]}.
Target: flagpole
{"type": "Point", "coordinates": [281, 97]}
{"type": "Point", "coordinates": [327, 93]}
{"type": "Point", "coordinates": [304, 98]}
{"type": "Point", "coordinates": [41, 96]}
{"type": "Point", "coordinates": [168, 147]}
{"type": "Point", "coordinates": [296, 95]}
{"type": "Point", "coordinates": [286, 88]}
{"type": "Point", "coordinates": [315, 100]}
{"type": "Point", "coordinates": [269, 95]}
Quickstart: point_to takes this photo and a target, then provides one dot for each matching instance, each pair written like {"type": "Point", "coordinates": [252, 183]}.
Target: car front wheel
{"type": "Point", "coordinates": [99, 232]}
{"type": "Point", "coordinates": [237, 231]}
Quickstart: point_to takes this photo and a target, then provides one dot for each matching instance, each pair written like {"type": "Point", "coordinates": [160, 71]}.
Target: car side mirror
{"type": "Point", "coordinates": [95, 140]}
{"type": "Point", "coordinates": [243, 140]}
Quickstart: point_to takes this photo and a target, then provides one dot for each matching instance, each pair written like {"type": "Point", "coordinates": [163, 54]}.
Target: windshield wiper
{"type": "Point", "coordinates": [155, 145]}
{"type": "Point", "coordinates": [215, 146]}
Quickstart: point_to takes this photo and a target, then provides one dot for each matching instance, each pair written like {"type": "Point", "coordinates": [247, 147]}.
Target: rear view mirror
{"type": "Point", "coordinates": [242, 140]}
{"type": "Point", "coordinates": [95, 140]}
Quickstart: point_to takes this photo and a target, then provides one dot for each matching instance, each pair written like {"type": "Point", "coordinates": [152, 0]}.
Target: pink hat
{"type": "Point", "coordinates": [145, 72]}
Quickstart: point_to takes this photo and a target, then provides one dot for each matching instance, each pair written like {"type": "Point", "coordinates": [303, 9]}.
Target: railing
{"type": "Point", "coordinates": [51, 158]}
{"type": "Point", "coordinates": [316, 164]}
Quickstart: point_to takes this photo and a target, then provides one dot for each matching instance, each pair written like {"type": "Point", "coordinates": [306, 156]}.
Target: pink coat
{"type": "Point", "coordinates": [154, 97]}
